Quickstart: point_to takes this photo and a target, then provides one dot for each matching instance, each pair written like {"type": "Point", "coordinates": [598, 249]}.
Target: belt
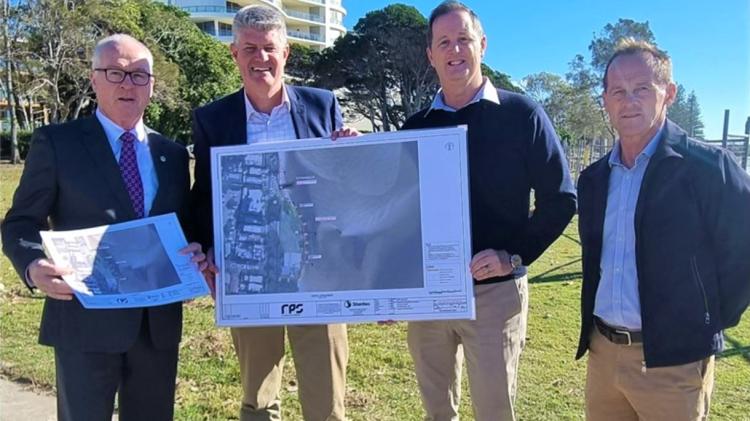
{"type": "Point", "coordinates": [618, 336]}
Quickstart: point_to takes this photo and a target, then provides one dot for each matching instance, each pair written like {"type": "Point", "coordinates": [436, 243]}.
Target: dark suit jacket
{"type": "Point", "coordinates": [315, 113]}
{"type": "Point", "coordinates": [692, 244]}
{"type": "Point", "coordinates": [71, 180]}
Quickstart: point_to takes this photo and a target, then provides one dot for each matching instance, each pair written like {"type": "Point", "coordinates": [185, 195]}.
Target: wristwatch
{"type": "Point", "coordinates": [515, 261]}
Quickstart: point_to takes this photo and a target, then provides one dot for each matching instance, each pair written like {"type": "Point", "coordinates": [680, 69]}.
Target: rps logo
{"type": "Point", "coordinates": [292, 309]}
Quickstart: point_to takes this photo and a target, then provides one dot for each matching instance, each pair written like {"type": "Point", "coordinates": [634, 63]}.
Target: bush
{"type": "Point", "coordinates": [24, 139]}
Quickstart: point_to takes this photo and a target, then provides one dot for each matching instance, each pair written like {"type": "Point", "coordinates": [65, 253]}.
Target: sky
{"type": "Point", "coordinates": [709, 42]}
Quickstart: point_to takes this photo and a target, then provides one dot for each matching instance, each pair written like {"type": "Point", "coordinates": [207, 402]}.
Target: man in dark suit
{"type": "Point", "coordinates": [266, 109]}
{"type": "Point", "coordinates": [101, 170]}
{"type": "Point", "coordinates": [666, 239]}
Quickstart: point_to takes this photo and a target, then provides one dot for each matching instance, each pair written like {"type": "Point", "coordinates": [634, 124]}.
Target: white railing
{"type": "Point", "coordinates": [303, 15]}
{"type": "Point", "coordinates": [304, 35]}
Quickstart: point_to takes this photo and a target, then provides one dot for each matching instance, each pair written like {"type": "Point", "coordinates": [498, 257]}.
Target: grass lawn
{"type": "Point", "coordinates": [381, 384]}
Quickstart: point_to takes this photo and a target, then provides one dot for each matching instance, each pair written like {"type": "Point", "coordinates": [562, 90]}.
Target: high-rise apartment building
{"type": "Point", "coordinates": [314, 23]}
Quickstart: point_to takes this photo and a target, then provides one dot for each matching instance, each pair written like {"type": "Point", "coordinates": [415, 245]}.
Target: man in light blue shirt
{"type": "Point", "coordinates": [617, 301]}
{"type": "Point", "coordinates": [665, 239]}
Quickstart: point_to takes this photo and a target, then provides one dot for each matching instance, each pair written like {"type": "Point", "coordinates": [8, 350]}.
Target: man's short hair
{"type": "Point", "coordinates": [260, 18]}
{"type": "Point", "coordinates": [450, 6]}
{"type": "Point", "coordinates": [109, 42]}
{"type": "Point", "coordinates": [658, 60]}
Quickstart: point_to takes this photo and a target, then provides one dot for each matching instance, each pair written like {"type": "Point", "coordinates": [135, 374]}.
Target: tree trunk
{"type": "Point", "coordinates": [15, 156]}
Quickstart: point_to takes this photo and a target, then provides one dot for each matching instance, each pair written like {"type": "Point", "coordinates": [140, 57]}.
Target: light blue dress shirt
{"type": "Point", "coordinates": [278, 125]}
{"type": "Point", "coordinates": [617, 300]}
{"type": "Point", "coordinates": [142, 155]}
{"type": "Point", "coordinates": [486, 92]}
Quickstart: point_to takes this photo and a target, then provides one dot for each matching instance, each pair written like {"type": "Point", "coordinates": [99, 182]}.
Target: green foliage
{"type": "Point", "coordinates": [24, 140]}
{"type": "Point", "coordinates": [383, 66]}
{"type": "Point", "coordinates": [686, 112]}
{"type": "Point", "coordinates": [499, 79]}
{"type": "Point", "coordinates": [55, 40]}
{"type": "Point", "coordinates": [301, 65]}
{"type": "Point", "coordinates": [603, 46]}
{"type": "Point", "coordinates": [191, 67]}
{"type": "Point", "coordinates": [573, 111]}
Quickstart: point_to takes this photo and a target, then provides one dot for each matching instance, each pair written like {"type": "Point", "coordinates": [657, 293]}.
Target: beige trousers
{"type": "Point", "coordinates": [320, 356]}
{"type": "Point", "coordinates": [620, 387]}
{"type": "Point", "coordinates": [491, 344]}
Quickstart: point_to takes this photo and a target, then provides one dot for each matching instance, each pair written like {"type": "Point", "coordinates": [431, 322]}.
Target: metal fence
{"type": "Point", "coordinates": [584, 153]}
{"type": "Point", "coordinates": [738, 145]}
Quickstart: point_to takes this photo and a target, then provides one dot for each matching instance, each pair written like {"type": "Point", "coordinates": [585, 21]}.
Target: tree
{"type": "Point", "coordinates": [499, 79]}
{"type": "Point", "coordinates": [574, 113]}
{"type": "Point", "coordinates": [685, 112]}
{"type": "Point", "coordinates": [59, 36]}
{"type": "Point", "coordinates": [15, 156]}
{"type": "Point", "coordinates": [603, 46]}
{"type": "Point", "coordinates": [587, 77]}
{"type": "Point", "coordinates": [301, 64]}
{"type": "Point", "coordinates": [383, 66]}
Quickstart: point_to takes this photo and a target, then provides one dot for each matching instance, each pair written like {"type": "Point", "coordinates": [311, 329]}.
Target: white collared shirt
{"type": "Point", "coordinates": [272, 127]}
{"type": "Point", "coordinates": [142, 155]}
{"type": "Point", "coordinates": [487, 92]}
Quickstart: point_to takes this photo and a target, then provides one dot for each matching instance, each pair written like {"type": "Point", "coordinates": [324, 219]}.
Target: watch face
{"type": "Point", "coordinates": [515, 261]}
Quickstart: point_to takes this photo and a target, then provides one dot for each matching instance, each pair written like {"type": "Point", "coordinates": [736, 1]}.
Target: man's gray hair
{"type": "Point", "coordinates": [109, 42]}
{"type": "Point", "coordinates": [261, 18]}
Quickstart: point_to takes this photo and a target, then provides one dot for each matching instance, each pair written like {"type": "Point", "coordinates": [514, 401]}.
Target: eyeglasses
{"type": "Point", "coordinates": [139, 78]}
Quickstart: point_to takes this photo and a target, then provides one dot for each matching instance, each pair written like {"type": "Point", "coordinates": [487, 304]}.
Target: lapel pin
{"type": "Point", "coordinates": [163, 158]}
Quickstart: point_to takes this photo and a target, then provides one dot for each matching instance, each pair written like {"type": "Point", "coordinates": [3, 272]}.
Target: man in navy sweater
{"type": "Point", "coordinates": [513, 149]}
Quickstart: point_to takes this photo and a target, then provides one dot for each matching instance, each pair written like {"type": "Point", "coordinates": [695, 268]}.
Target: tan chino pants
{"type": "Point", "coordinates": [320, 356]}
{"type": "Point", "coordinates": [619, 387]}
{"type": "Point", "coordinates": [492, 347]}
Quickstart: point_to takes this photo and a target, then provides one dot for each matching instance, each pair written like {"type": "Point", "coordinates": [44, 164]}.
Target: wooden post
{"type": "Point", "coordinates": [725, 136]}
{"type": "Point", "coordinates": [747, 143]}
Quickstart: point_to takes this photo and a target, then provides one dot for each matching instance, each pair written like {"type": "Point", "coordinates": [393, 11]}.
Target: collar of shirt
{"type": "Point", "coordinates": [250, 111]}
{"type": "Point", "coordinates": [486, 92]}
{"type": "Point", "coordinates": [646, 153]}
{"type": "Point", "coordinates": [113, 131]}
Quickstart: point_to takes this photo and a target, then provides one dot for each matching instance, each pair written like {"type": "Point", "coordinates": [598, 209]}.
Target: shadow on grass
{"type": "Point", "coordinates": [545, 277]}
{"type": "Point", "coordinates": [736, 349]}
{"type": "Point", "coordinates": [571, 238]}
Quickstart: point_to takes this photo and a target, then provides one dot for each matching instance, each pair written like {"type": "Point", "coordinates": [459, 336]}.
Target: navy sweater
{"type": "Point", "coordinates": [512, 149]}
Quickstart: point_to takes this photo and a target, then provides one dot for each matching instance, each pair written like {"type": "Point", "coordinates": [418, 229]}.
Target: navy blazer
{"type": "Point", "coordinates": [692, 237]}
{"type": "Point", "coordinates": [71, 180]}
{"type": "Point", "coordinates": [315, 113]}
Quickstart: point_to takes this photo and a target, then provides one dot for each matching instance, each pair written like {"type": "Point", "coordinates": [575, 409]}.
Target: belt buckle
{"type": "Point", "coordinates": [627, 334]}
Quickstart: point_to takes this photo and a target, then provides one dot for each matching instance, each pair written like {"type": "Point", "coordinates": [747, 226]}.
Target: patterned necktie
{"type": "Point", "coordinates": [130, 174]}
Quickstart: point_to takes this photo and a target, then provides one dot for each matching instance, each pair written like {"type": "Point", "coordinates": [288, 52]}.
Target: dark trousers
{"type": "Point", "coordinates": [143, 377]}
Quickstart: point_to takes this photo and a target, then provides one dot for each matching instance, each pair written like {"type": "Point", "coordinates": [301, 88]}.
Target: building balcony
{"type": "Point", "coordinates": [305, 35]}
{"type": "Point", "coordinates": [317, 2]}
{"type": "Point", "coordinates": [210, 9]}
{"type": "Point", "coordinates": [302, 15]}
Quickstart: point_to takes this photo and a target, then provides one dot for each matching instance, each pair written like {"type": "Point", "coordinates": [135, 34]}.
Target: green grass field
{"type": "Point", "coordinates": [381, 385]}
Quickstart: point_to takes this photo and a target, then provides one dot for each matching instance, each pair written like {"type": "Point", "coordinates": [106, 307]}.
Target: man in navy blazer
{"type": "Point", "coordinates": [267, 109]}
{"type": "Point", "coordinates": [664, 228]}
{"type": "Point", "coordinates": [72, 180]}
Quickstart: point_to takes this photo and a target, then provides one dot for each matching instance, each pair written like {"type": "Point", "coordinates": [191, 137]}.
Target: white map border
{"type": "Point", "coordinates": [191, 283]}
{"type": "Point", "coordinates": [444, 191]}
